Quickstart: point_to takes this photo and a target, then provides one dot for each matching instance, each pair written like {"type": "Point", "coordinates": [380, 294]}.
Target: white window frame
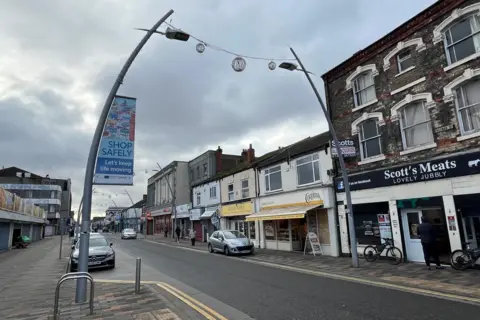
{"type": "Point", "coordinates": [205, 169]}
{"type": "Point", "coordinates": [448, 91]}
{"type": "Point", "coordinates": [378, 136]}
{"type": "Point", "coordinates": [459, 110]}
{"type": "Point", "coordinates": [396, 110]}
{"type": "Point", "coordinates": [447, 46]}
{"type": "Point", "coordinates": [231, 194]}
{"type": "Point", "coordinates": [355, 92]}
{"type": "Point", "coordinates": [350, 82]}
{"type": "Point", "coordinates": [355, 127]}
{"type": "Point", "coordinates": [213, 192]}
{"type": "Point", "coordinates": [199, 198]}
{"type": "Point", "coordinates": [439, 32]}
{"type": "Point", "coordinates": [417, 42]}
{"type": "Point", "coordinates": [314, 159]}
{"type": "Point", "coordinates": [245, 189]}
{"type": "Point", "coordinates": [268, 172]}
{"type": "Point", "coordinates": [400, 60]}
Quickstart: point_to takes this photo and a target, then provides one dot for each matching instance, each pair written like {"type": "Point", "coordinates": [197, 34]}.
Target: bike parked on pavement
{"type": "Point", "coordinates": [465, 258]}
{"type": "Point", "coordinates": [393, 254]}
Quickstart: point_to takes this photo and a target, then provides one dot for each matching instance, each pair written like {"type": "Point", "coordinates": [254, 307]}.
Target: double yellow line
{"type": "Point", "coordinates": [205, 311]}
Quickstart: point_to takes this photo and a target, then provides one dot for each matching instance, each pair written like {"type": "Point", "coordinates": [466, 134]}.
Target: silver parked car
{"type": "Point", "coordinates": [100, 254]}
{"type": "Point", "coordinates": [129, 234]}
{"type": "Point", "coordinates": [230, 242]}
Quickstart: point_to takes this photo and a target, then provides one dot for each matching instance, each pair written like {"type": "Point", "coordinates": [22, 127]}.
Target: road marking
{"type": "Point", "coordinates": [187, 302]}
{"type": "Point", "coordinates": [207, 312]}
{"type": "Point", "coordinates": [426, 292]}
{"type": "Point", "coordinates": [213, 312]}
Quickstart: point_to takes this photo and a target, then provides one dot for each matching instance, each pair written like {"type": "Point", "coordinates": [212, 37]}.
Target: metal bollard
{"type": "Point", "coordinates": [137, 275]}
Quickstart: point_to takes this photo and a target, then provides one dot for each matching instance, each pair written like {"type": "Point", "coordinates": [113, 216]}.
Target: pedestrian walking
{"type": "Point", "coordinates": [177, 232]}
{"type": "Point", "coordinates": [192, 235]}
{"type": "Point", "coordinates": [166, 232]}
{"type": "Point", "coordinates": [427, 234]}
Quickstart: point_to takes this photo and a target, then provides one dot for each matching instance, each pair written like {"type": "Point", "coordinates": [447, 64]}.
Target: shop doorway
{"type": "Point", "coordinates": [411, 219]}
{"type": "Point", "coordinates": [471, 230]}
{"type": "Point", "coordinates": [299, 233]}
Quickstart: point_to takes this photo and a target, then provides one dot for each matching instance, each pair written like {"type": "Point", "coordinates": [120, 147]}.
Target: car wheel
{"type": "Point", "coordinates": [210, 248]}
{"type": "Point", "coordinates": [252, 252]}
{"type": "Point", "coordinates": [226, 250]}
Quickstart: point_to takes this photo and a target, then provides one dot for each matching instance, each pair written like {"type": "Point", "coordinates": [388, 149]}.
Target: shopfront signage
{"type": "Point", "coordinates": [295, 199]}
{"type": "Point", "coordinates": [182, 211]}
{"type": "Point", "coordinates": [455, 166]}
{"type": "Point", "coordinates": [237, 209]}
{"type": "Point", "coordinates": [312, 196]}
{"type": "Point", "coordinates": [347, 148]}
{"type": "Point", "coordinates": [195, 214]}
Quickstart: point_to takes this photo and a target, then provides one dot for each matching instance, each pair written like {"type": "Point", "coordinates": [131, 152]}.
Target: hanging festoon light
{"type": "Point", "coordinates": [200, 47]}
{"type": "Point", "coordinates": [272, 65]}
{"type": "Point", "coordinates": [239, 64]}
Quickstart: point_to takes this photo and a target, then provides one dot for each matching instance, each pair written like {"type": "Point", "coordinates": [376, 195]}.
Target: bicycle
{"type": "Point", "coordinates": [393, 254]}
{"type": "Point", "coordinates": [467, 257]}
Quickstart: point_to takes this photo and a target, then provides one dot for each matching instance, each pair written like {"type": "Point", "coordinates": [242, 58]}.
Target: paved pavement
{"type": "Point", "coordinates": [272, 292]}
{"type": "Point", "coordinates": [27, 286]}
{"type": "Point", "coordinates": [448, 281]}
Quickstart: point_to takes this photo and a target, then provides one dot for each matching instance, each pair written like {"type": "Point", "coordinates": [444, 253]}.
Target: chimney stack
{"type": "Point", "coordinates": [250, 154]}
{"type": "Point", "coordinates": [218, 159]}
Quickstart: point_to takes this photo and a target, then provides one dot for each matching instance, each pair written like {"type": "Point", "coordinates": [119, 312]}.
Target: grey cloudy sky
{"type": "Point", "coordinates": [59, 58]}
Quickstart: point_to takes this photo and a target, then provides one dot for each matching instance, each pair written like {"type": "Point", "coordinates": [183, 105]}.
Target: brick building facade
{"type": "Point", "coordinates": [411, 104]}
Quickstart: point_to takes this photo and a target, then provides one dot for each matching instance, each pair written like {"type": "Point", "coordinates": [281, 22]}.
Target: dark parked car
{"type": "Point", "coordinates": [100, 255]}
{"type": "Point", "coordinates": [230, 242]}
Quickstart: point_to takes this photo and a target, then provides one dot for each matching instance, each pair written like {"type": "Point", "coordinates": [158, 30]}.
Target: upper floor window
{"type": "Point", "coordinates": [191, 175]}
{"type": "Point", "coordinates": [273, 179]}
{"type": "Point", "coordinates": [213, 192]}
{"type": "Point", "coordinates": [370, 139]}
{"type": "Point", "coordinates": [404, 60]}
{"type": "Point", "coordinates": [462, 39]}
{"type": "Point", "coordinates": [198, 198]}
{"type": "Point", "coordinates": [198, 172]}
{"type": "Point", "coordinates": [245, 190]}
{"type": "Point", "coordinates": [231, 194]}
{"type": "Point", "coordinates": [205, 170]}
{"type": "Point", "coordinates": [364, 89]}
{"type": "Point", "coordinates": [416, 125]}
{"type": "Point", "coordinates": [467, 101]}
{"type": "Point", "coordinates": [308, 169]}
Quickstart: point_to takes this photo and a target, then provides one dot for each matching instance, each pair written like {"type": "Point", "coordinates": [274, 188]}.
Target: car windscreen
{"type": "Point", "coordinates": [233, 234]}
{"type": "Point", "coordinates": [98, 242]}
{"type": "Point", "coordinates": [128, 230]}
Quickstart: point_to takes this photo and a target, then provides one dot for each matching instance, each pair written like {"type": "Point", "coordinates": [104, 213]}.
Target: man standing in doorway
{"type": "Point", "coordinates": [428, 238]}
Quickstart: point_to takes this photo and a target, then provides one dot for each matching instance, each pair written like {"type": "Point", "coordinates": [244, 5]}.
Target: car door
{"type": "Point", "coordinates": [220, 240]}
{"type": "Point", "coordinates": [213, 240]}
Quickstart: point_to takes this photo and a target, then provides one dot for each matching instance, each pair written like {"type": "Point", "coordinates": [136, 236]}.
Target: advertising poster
{"type": "Point", "coordinates": [116, 152]}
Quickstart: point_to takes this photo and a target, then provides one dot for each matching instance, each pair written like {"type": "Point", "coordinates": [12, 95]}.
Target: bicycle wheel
{"type": "Point", "coordinates": [370, 253]}
{"type": "Point", "coordinates": [394, 256]}
{"type": "Point", "coordinates": [460, 260]}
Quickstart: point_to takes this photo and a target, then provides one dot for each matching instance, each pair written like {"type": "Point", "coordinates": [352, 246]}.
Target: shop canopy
{"type": "Point", "coordinates": [297, 212]}
{"type": "Point", "coordinates": [207, 214]}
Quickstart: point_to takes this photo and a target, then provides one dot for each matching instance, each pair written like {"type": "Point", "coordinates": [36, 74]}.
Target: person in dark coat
{"type": "Point", "coordinates": [177, 232]}
{"type": "Point", "coordinates": [427, 234]}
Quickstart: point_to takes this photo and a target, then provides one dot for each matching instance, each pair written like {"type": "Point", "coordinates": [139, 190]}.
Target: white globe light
{"type": "Point", "coordinates": [239, 64]}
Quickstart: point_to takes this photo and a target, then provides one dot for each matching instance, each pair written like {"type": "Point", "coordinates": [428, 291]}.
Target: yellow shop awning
{"type": "Point", "coordinates": [297, 212]}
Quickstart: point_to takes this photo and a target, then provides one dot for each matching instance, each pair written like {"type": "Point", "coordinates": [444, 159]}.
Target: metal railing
{"type": "Point", "coordinates": [73, 276]}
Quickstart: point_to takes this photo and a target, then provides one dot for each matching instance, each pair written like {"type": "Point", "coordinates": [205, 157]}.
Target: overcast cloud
{"type": "Point", "coordinates": [59, 58]}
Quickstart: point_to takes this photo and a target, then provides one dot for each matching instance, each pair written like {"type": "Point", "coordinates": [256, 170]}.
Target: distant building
{"type": "Point", "coordinates": [53, 195]}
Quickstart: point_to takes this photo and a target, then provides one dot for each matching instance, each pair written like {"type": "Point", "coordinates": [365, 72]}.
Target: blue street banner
{"type": "Point", "coordinates": [115, 155]}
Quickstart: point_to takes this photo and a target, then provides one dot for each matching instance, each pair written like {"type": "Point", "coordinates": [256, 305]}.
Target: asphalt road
{"type": "Point", "coordinates": [269, 293]}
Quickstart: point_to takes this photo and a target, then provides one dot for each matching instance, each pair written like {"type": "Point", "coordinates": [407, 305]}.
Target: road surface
{"type": "Point", "coordinates": [236, 288]}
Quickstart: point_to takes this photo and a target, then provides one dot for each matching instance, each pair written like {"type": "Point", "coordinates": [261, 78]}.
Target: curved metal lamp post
{"type": "Point", "coordinates": [353, 240]}
{"type": "Point", "coordinates": [90, 168]}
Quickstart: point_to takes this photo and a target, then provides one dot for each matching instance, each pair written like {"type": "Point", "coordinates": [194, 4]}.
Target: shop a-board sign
{"type": "Point", "coordinates": [314, 243]}
{"type": "Point", "coordinates": [449, 167]}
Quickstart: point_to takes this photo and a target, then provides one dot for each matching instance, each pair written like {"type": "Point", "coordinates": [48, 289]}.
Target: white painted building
{"type": "Point", "coordinates": [296, 197]}
{"type": "Point", "coordinates": [206, 198]}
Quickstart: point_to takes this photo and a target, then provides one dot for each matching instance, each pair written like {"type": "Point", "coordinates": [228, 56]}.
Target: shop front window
{"type": "Point", "coordinates": [368, 220]}
{"type": "Point", "coordinates": [282, 230]}
{"type": "Point", "coordinates": [269, 230]}
{"type": "Point", "coordinates": [251, 227]}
